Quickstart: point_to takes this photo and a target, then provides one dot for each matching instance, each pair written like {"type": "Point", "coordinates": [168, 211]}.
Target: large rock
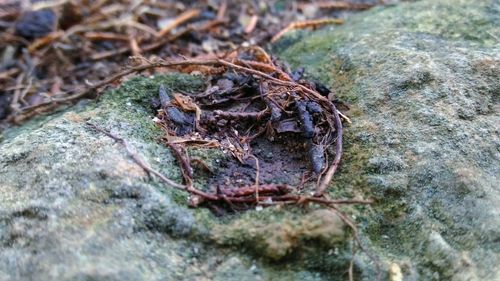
{"type": "Point", "coordinates": [423, 80]}
{"type": "Point", "coordinates": [75, 206]}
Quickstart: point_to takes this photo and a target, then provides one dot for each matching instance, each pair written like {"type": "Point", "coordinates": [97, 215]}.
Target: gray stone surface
{"type": "Point", "coordinates": [75, 206]}
{"type": "Point", "coordinates": [423, 82]}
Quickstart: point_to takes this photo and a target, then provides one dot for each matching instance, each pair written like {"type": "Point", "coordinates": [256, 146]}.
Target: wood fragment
{"type": "Point", "coordinates": [8, 74]}
{"type": "Point", "coordinates": [146, 48]}
{"type": "Point", "coordinates": [252, 24]}
{"type": "Point", "coordinates": [14, 104]}
{"type": "Point", "coordinates": [320, 190]}
{"type": "Point", "coordinates": [182, 18]}
{"type": "Point", "coordinates": [184, 161]}
{"type": "Point", "coordinates": [256, 189]}
{"type": "Point", "coordinates": [230, 115]}
{"type": "Point", "coordinates": [134, 47]}
{"type": "Point", "coordinates": [275, 110]}
{"type": "Point", "coordinates": [221, 12]}
{"type": "Point", "coordinates": [46, 40]}
{"type": "Point", "coordinates": [336, 5]}
{"type": "Point", "coordinates": [103, 36]}
{"type": "Point", "coordinates": [305, 24]}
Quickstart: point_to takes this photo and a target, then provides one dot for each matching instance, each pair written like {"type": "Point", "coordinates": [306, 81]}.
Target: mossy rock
{"type": "Point", "coordinates": [74, 196]}
{"type": "Point", "coordinates": [422, 81]}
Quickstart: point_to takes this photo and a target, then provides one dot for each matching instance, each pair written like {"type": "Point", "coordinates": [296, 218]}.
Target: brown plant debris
{"type": "Point", "coordinates": [305, 24]}
{"type": "Point", "coordinates": [52, 50]}
{"type": "Point", "coordinates": [247, 109]}
{"type": "Point", "coordinates": [252, 106]}
{"type": "Point", "coordinates": [243, 107]}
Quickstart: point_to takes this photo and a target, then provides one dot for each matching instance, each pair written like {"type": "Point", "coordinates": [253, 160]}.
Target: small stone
{"type": "Point", "coordinates": [36, 24]}
{"type": "Point", "coordinates": [395, 273]}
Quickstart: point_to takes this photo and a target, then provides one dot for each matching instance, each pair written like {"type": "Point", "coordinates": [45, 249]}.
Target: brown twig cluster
{"type": "Point", "coordinates": [275, 100]}
{"type": "Point", "coordinates": [250, 96]}
{"type": "Point", "coordinates": [241, 195]}
{"type": "Point", "coordinates": [279, 91]}
{"type": "Point", "coordinates": [51, 50]}
{"type": "Point", "coordinates": [305, 24]}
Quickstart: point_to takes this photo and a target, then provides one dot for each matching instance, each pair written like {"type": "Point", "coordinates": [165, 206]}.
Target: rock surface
{"type": "Point", "coordinates": [75, 206]}
{"type": "Point", "coordinates": [423, 82]}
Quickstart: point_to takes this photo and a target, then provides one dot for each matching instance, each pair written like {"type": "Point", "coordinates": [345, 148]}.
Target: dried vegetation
{"type": "Point", "coordinates": [51, 51]}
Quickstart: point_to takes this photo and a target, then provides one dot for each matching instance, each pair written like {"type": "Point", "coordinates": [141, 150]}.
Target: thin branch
{"type": "Point", "coordinates": [138, 159]}
{"type": "Point", "coordinates": [171, 64]}
{"type": "Point", "coordinates": [320, 190]}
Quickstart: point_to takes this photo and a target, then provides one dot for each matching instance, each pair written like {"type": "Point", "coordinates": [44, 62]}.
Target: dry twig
{"type": "Point", "coordinates": [305, 24]}
{"type": "Point", "coordinates": [182, 18]}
